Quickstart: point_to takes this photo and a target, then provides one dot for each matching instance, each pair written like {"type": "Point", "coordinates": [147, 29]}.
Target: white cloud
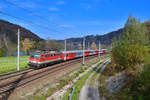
{"type": "Point", "coordinates": [66, 26]}
{"type": "Point", "coordinates": [61, 3]}
{"type": "Point", "coordinates": [54, 9]}
{"type": "Point", "coordinates": [28, 4]}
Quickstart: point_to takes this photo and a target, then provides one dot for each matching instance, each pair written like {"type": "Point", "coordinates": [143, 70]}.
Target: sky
{"type": "Point", "coordinates": [61, 19]}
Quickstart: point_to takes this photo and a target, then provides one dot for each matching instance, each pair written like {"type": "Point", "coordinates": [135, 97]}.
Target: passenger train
{"type": "Point", "coordinates": [44, 58]}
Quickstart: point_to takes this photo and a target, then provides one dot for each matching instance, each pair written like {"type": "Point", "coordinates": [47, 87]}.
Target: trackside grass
{"type": "Point", "coordinates": [9, 64]}
{"type": "Point", "coordinates": [78, 85]}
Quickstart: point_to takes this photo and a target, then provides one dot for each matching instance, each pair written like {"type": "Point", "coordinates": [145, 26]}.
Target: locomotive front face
{"type": "Point", "coordinates": [34, 60]}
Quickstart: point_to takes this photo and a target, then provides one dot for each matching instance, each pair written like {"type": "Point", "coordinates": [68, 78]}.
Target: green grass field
{"type": "Point", "coordinates": [9, 64]}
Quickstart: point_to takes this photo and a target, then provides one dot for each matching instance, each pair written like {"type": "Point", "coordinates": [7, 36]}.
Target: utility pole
{"type": "Point", "coordinates": [88, 45]}
{"type": "Point", "coordinates": [83, 50]}
{"type": "Point", "coordinates": [99, 49]}
{"type": "Point", "coordinates": [65, 45]}
{"type": "Point", "coordinates": [18, 57]}
{"type": "Point", "coordinates": [65, 48]}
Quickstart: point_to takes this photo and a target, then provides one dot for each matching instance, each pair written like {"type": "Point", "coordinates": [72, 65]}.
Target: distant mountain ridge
{"type": "Point", "coordinates": [105, 39]}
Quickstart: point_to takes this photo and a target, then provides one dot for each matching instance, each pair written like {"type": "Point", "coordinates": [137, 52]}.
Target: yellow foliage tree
{"type": "Point", "coordinates": [93, 46]}
{"type": "Point", "coordinates": [27, 45]}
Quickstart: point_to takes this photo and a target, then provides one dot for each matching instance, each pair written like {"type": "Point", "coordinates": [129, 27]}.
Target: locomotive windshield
{"type": "Point", "coordinates": [35, 56]}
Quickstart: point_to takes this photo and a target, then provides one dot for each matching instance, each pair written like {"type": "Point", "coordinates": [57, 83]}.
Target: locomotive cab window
{"type": "Point", "coordinates": [35, 56]}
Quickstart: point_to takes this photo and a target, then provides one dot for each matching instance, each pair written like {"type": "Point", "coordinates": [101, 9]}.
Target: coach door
{"type": "Point", "coordinates": [65, 56]}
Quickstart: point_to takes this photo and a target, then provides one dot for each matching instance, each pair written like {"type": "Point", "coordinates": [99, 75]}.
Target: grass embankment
{"type": "Point", "coordinates": [78, 86]}
{"type": "Point", "coordinates": [62, 82]}
{"type": "Point", "coordinates": [92, 80]}
{"type": "Point", "coordinates": [80, 83]}
{"type": "Point", "coordinates": [137, 89]}
{"type": "Point", "coordinates": [8, 64]}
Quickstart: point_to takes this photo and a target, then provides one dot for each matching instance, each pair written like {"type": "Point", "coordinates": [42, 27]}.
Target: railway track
{"type": "Point", "coordinates": [12, 81]}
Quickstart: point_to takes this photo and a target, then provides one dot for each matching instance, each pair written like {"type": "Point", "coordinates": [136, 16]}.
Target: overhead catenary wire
{"type": "Point", "coordinates": [36, 24]}
{"type": "Point", "coordinates": [41, 17]}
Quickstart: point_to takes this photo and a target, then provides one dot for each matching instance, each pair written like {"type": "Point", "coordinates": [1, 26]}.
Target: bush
{"type": "Point", "coordinates": [139, 89]}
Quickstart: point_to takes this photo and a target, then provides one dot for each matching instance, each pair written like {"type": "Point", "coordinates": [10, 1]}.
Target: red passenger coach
{"type": "Point", "coordinates": [87, 53]}
{"type": "Point", "coordinates": [104, 51]}
{"type": "Point", "coordinates": [67, 55]}
{"type": "Point", "coordinates": [96, 52]}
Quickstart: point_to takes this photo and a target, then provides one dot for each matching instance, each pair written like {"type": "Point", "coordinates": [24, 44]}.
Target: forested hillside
{"type": "Point", "coordinates": [8, 34]}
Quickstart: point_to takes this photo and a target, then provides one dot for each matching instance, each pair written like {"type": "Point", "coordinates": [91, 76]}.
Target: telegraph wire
{"type": "Point", "coordinates": [36, 24]}
{"type": "Point", "coordinates": [41, 17]}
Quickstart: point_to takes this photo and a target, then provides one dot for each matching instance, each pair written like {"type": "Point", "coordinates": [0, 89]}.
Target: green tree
{"type": "Point", "coordinates": [2, 52]}
{"type": "Point", "coordinates": [53, 45]}
{"type": "Point", "coordinates": [132, 46]}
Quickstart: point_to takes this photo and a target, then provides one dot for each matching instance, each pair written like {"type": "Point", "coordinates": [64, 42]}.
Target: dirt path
{"type": "Point", "coordinates": [91, 92]}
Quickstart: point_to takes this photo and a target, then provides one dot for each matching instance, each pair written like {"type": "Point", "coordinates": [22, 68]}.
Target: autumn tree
{"type": "Point", "coordinates": [132, 46]}
{"type": "Point", "coordinates": [27, 45]}
{"type": "Point", "coordinates": [80, 47]}
{"type": "Point", "coordinates": [93, 46]}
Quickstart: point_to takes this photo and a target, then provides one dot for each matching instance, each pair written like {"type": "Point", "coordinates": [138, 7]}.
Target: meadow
{"type": "Point", "coordinates": [9, 64]}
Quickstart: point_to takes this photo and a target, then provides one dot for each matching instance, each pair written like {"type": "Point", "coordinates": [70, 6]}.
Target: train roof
{"type": "Point", "coordinates": [75, 51]}
{"type": "Point", "coordinates": [40, 52]}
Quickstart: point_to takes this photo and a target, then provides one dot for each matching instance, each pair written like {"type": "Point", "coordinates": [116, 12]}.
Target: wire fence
{"type": "Point", "coordinates": [15, 53]}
